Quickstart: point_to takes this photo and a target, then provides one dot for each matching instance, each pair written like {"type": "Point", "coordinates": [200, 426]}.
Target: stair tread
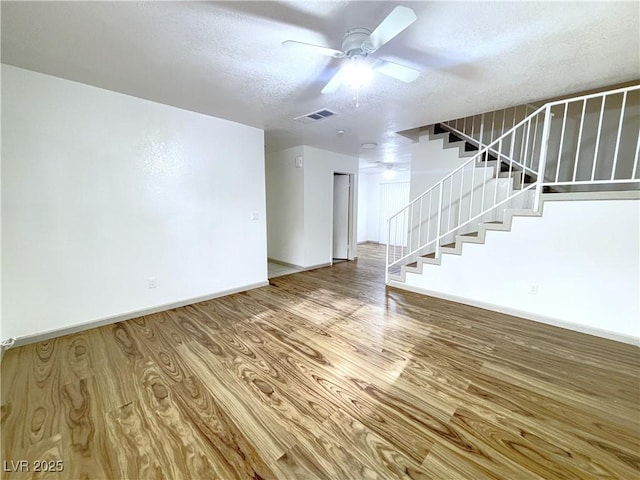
{"type": "Point", "coordinates": [470, 234]}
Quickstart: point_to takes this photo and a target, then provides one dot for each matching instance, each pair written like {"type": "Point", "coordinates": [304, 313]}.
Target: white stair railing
{"type": "Point", "coordinates": [484, 128]}
{"type": "Point", "coordinates": [511, 171]}
{"type": "Point", "coordinates": [595, 139]}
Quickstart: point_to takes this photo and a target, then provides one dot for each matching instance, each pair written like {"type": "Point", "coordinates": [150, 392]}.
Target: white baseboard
{"type": "Point", "coordinates": [286, 264]}
{"type": "Point", "coordinates": [300, 267]}
{"type": "Point", "coordinates": [47, 335]}
{"type": "Point", "coordinates": [598, 332]}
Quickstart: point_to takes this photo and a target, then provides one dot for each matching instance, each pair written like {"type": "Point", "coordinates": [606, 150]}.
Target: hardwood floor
{"type": "Point", "coordinates": [324, 374]}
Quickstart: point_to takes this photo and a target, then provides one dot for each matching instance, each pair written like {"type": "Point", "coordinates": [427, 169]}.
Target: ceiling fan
{"type": "Point", "coordinates": [357, 45]}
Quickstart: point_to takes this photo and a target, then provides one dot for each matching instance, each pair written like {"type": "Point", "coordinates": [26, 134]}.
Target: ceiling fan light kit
{"type": "Point", "coordinates": [389, 173]}
{"type": "Point", "coordinates": [357, 45]}
{"type": "Point", "coordinates": [357, 72]}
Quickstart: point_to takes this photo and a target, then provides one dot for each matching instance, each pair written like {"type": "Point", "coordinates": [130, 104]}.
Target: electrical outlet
{"type": "Point", "coordinates": [151, 282]}
{"type": "Point", "coordinates": [533, 289]}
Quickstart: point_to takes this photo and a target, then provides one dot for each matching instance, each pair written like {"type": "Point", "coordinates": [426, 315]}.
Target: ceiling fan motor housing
{"type": "Point", "coordinates": [355, 42]}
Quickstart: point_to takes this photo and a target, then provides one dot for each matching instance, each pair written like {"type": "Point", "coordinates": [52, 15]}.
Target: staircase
{"type": "Point", "coordinates": [586, 143]}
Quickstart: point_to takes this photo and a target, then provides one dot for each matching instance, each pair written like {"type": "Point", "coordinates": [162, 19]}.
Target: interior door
{"type": "Point", "coordinates": [340, 216]}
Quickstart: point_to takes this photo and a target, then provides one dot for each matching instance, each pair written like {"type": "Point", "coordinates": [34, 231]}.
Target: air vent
{"type": "Point", "coordinates": [315, 116]}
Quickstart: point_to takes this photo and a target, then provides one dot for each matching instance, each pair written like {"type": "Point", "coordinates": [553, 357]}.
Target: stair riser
{"type": "Point", "coordinates": [483, 228]}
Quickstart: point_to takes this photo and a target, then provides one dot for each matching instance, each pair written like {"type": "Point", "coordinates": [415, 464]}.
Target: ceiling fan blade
{"type": "Point", "coordinates": [399, 19]}
{"type": "Point", "coordinates": [397, 71]}
{"type": "Point", "coordinates": [335, 83]}
{"type": "Point", "coordinates": [329, 52]}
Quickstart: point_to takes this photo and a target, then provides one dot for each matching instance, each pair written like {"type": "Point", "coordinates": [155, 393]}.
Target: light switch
{"type": "Point", "coordinates": [299, 161]}
{"type": "Point", "coordinates": [255, 216]}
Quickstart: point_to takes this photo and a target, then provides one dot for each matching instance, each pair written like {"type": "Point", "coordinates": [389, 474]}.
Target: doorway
{"type": "Point", "coordinates": [342, 214]}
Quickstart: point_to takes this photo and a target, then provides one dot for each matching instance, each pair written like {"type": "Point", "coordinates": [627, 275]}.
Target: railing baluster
{"type": "Point", "coordinates": [481, 130]}
{"type": "Point", "coordinates": [635, 160]}
{"type": "Point", "coordinates": [564, 124]}
{"type": "Point", "coordinates": [535, 136]}
{"type": "Point", "coordinates": [395, 239]}
{"type": "Point", "coordinates": [595, 152]}
{"type": "Point", "coordinates": [405, 239]}
{"type": "Point", "coordinates": [575, 163]}
{"type": "Point", "coordinates": [493, 126]}
{"type": "Point", "coordinates": [473, 186]}
{"type": "Point", "coordinates": [499, 167]}
{"type": "Point", "coordinates": [450, 201]}
{"type": "Point", "coordinates": [410, 230]}
{"type": "Point", "coordinates": [484, 181]}
{"type": "Point", "coordinates": [512, 144]}
{"type": "Point", "coordinates": [461, 195]}
{"type": "Point", "coordinates": [439, 214]}
{"type": "Point", "coordinates": [473, 125]}
{"type": "Point", "coordinates": [615, 155]}
{"type": "Point", "coordinates": [429, 217]}
{"type": "Point", "coordinates": [401, 236]}
{"type": "Point", "coordinates": [420, 223]}
{"type": "Point", "coordinates": [526, 143]}
{"type": "Point", "coordinates": [509, 175]}
{"type": "Point", "coordinates": [520, 159]}
{"type": "Point", "coordinates": [392, 255]}
{"type": "Point", "coordinates": [522, 179]}
{"type": "Point", "coordinates": [543, 158]}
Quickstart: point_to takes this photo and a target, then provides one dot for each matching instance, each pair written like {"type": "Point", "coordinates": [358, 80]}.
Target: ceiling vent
{"type": "Point", "coordinates": [315, 116]}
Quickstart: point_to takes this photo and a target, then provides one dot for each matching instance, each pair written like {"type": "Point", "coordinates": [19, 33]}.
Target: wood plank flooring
{"type": "Point", "coordinates": [324, 374]}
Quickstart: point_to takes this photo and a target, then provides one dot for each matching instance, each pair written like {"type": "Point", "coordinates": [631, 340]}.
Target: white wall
{"type": "Point", "coordinates": [369, 203]}
{"type": "Point", "coordinates": [363, 206]}
{"type": "Point", "coordinates": [304, 197]}
{"type": "Point", "coordinates": [583, 255]}
{"type": "Point", "coordinates": [285, 206]}
{"type": "Point", "coordinates": [319, 167]}
{"type": "Point", "coordinates": [101, 191]}
{"type": "Point", "coordinates": [431, 162]}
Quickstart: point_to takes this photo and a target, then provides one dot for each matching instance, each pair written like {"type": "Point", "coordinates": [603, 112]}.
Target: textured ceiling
{"type": "Point", "coordinates": [225, 59]}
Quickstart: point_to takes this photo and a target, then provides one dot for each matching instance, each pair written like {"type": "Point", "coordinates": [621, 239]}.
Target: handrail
{"type": "Point", "coordinates": [593, 95]}
{"type": "Point", "coordinates": [530, 151]}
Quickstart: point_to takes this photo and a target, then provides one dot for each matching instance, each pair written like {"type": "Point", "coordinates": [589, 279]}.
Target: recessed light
{"type": "Point", "coordinates": [369, 145]}
{"type": "Point", "coordinates": [340, 132]}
